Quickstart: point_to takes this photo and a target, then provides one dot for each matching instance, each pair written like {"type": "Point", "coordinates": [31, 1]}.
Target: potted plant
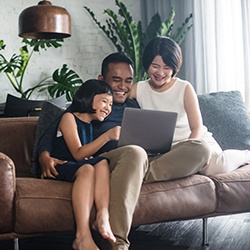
{"type": "Point", "coordinates": [16, 66]}
{"type": "Point", "coordinates": [129, 38]}
{"type": "Point", "coordinates": [62, 81]}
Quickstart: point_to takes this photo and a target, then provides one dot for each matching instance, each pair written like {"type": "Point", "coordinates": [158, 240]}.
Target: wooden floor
{"type": "Point", "coordinates": [224, 233]}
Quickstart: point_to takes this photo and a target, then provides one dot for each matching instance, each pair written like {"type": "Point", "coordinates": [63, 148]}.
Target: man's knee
{"type": "Point", "coordinates": [138, 155]}
{"type": "Point", "coordinates": [128, 157]}
{"type": "Point", "coordinates": [136, 151]}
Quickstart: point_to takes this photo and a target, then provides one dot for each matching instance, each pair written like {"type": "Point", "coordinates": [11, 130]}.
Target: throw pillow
{"type": "Point", "coordinates": [226, 116]}
{"type": "Point", "coordinates": [48, 113]}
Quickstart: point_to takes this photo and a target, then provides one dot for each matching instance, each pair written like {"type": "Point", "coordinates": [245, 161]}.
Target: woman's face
{"type": "Point", "coordinates": [102, 104]}
{"type": "Point", "coordinates": [159, 72]}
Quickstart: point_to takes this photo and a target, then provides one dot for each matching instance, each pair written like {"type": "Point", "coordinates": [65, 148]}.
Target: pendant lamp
{"type": "Point", "coordinates": [44, 21]}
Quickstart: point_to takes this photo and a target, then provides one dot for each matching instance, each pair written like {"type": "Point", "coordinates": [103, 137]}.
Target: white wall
{"type": "Point", "coordinates": [83, 51]}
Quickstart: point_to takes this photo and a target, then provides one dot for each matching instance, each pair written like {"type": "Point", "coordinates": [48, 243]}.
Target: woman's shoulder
{"type": "Point", "coordinates": [138, 85]}
{"type": "Point", "coordinates": [183, 82]}
{"type": "Point", "coordinates": [143, 82]}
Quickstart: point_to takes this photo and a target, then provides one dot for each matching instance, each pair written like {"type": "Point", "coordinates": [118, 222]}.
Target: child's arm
{"type": "Point", "coordinates": [193, 113]}
{"type": "Point", "coordinates": [68, 128]}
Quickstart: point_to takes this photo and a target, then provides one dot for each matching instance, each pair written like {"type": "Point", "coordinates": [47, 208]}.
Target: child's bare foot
{"type": "Point", "coordinates": [103, 227]}
{"type": "Point", "coordinates": [84, 243]}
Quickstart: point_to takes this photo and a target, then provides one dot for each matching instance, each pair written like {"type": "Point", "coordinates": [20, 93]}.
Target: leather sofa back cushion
{"type": "Point", "coordinates": [17, 137]}
{"type": "Point", "coordinates": [226, 116]}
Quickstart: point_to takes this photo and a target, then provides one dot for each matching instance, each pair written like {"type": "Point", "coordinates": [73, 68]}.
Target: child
{"type": "Point", "coordinates": [90, 175]}
{"type": "Point", "coordinates": [162, 59]}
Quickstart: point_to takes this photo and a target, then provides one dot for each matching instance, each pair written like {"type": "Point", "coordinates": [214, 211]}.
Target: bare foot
{"type": "Point", "coordinates": [103, 227]}
{"type": "Point", "coordinates": [84, 243]}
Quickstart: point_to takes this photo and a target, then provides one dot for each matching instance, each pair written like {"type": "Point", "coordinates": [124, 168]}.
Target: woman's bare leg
{"type": "Point", "coordinates": [102, 195]}
{"type": "Point", "coordinates": [82, 201]}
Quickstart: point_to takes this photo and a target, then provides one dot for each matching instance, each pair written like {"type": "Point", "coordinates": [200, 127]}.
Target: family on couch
{"type": "Point", "coordinates": [128, 165]}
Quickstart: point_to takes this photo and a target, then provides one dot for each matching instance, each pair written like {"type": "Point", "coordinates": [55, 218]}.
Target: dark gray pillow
{"type": "Point", "coordinates": [49, 113]}
{"type": "Point", "coordinates": [226, 116]}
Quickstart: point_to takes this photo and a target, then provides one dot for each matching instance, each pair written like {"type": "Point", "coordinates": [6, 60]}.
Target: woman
{"type": "Point", "coordinates": [162, 60]}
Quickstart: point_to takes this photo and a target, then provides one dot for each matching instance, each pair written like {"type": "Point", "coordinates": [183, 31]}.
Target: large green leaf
{"type": "Point", "coordinates": [108, 30]}
{"type": "Point", "coordinates": [38, 44]}
{"type": "Point", "coordinates": [182, 31]}
{"type": "Point", "coordinates": [152, 28]}
{"type": "Point", "coordinates": [167, 25]}
{"type": "Point", "coordinates": [65, 81]}
{"type": "Point", "coordinates": [14, 63]}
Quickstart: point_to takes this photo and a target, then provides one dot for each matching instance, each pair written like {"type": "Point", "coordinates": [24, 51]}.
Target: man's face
{"type": "Point", "coordinates": [120, 79]}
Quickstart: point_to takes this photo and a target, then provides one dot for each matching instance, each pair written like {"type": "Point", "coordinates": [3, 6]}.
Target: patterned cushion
{"type": "Point", "coordinates": [48, 113]}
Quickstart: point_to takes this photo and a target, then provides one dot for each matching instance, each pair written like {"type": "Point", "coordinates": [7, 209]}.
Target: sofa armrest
{"type": "Point", "coordinates": [7, 192]}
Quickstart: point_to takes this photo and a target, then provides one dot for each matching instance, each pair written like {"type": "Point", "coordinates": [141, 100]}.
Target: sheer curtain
{"type": "Point", "coordinates": [216, 52]}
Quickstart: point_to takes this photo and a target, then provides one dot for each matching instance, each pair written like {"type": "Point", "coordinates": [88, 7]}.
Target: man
{"type": "Point", "coordinates": [128, 164]}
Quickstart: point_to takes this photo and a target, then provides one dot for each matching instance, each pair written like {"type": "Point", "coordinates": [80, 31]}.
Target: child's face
{"type": "Point", "coordinates": [159, 72]}
{"type": "Point", "coordinates": [102, 104]}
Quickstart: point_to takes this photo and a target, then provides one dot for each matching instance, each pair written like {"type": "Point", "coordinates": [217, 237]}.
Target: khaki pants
{"type": "Point", "coordinates": [184, 159]}
{"type": "Point", "coordinates": [128, 166]}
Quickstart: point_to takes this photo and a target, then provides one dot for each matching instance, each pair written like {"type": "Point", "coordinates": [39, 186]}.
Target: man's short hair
{"type": "Point", "coordinates": [117, 57]}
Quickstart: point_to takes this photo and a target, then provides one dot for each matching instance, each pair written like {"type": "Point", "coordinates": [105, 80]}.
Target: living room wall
{"type": "Point", "coordinates": [82, 52]}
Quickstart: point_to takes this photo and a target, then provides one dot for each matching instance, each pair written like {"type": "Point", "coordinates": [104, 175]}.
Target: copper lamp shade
{"type": "Point", "coordinates": [44, 21]}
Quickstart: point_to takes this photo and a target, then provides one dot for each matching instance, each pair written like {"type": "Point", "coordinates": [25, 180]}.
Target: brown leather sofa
{"type": "Point", "coordinates": [31, 206]}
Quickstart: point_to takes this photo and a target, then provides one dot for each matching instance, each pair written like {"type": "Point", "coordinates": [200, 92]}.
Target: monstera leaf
{"type": "Point", "coordinates": [65, 81]}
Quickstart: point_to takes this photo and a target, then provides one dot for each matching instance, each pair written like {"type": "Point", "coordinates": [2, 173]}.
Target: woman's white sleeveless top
{"type": "Point", "coordinates": [169, 100]}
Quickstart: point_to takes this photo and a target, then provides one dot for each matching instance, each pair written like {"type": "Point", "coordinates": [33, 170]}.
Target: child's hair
{"type": "Point", "coordinates": [116, 57]}
{"type": "Point", "coordinates": [83, 98]}
{"type": "Point", "coordinates": [165, 47]}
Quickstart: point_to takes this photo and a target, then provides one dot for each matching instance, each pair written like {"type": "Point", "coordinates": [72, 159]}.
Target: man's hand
{"type": "Point", "coordinates": [48, 164]}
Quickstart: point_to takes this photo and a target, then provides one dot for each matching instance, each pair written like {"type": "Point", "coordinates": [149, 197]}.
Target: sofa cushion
{"type": "Point", "coordinates": [174, 200]}
{"type": "Point", "coordinates": [49, 113]}
{"type": "Point", "coordinates": [43, 206]}
{"type": "Point", "coordinates": [226, 116]}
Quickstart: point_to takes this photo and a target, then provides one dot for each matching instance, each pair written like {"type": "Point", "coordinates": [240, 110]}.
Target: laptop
{"type": "Point", "coordinates": [151, 129]}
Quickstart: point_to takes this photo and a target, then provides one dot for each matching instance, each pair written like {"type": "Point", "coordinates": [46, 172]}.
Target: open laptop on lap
{"type": "Point", "coordinates": [151, 129]}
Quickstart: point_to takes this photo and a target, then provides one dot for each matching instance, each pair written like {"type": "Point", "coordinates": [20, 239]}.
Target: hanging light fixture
{"type": "Point", "coordinates": [44, 21]}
